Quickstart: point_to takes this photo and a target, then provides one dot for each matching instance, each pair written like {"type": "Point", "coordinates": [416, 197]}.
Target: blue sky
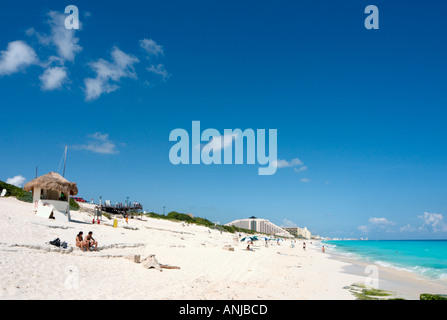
{"type": "Point", "coordinates": [363, 110]}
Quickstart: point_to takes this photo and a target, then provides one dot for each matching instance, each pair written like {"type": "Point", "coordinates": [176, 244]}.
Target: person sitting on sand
{"type": "Point", "coordinates": [80, 243]}
{"type": "Point", "coordinates": [90, 241]}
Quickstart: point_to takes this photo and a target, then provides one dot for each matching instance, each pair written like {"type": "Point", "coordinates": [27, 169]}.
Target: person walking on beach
{"type": "Point", "coordinates": [80, 243]}
{"type": "Point", "coordinates": [304, 246]}
{"type": "Point", "coordinates": [90, 242]}
{"type": "Point", "coordinates": [322, 249]}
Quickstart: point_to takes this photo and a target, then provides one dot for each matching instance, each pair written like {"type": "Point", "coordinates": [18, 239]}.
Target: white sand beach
{"type": "Point", "coordinates": [30, 268]}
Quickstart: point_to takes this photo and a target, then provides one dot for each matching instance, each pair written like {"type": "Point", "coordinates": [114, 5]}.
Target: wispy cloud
{"type": "Point", "coordinates": [300, 169]}
{"type": "Point", "coordinates": [151, 47]}
{"type": "Point", "coordinates": [296, 163]}
{"type": "Point", "coordinates": [363, 229]}
{"type": "Point", "coordinates": [17, 181]}
{"type": "Point", "coordinates": [17, 57]}
{"type": "Point", "coordinates": [407, 228]}
{"type": "Point", "coordinates": [377, 224]}
{"type": "Point", "coordinates": [286, 223]}
{"type": "Point", "coordinates": [99, 143]}
{"type": "Point", "coordinates": [159, 70]}
{"type": "Point", "coordinates": [285, 164]}
{"type": "Point", "coordinates": [109, 73]}
{"type": "Point", "coordinates": [154, 50]}
{"type": "Point", "coordinates": [380, 221]}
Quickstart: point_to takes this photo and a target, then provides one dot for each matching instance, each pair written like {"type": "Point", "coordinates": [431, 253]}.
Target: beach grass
{"type": "Point", "coordinates": [176, 216]}
{"type": "Point", "coordinates": [362, 292]}
{"type": "Point", "coordinates": [13, 191]}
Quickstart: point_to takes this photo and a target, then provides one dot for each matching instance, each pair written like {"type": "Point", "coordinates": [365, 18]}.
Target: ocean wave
{"type": "Point", "coordinates": [381, 259]}
{"type": "Point", "coordinates": [429, 272]}
{"type": "Point", "coordinates": [433, 273]}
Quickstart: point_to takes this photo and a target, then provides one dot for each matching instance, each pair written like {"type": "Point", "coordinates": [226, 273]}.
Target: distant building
{"type": "Point", "coordinates": [299, 232]}
{"type": "Point", "coordinates": [260, 225]}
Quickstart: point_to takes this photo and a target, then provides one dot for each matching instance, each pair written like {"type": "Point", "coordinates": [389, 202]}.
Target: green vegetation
{"type": "Point", "coordinates": [13, 191]}
{"type": "Point", "coordinates": [176, 216]}
{"type": "Point", "coordinates": [173, 215]}
{"type": "Point", "coordinates": [74, 206]}
{"type": "Point", "coordinates": [107, 215]}
{"type": "Point", "coordinates": [233, 229]}
{"type": "Point", "coordinates": [361, 292]}
{"type": "Point", "coordinates": [429, 296]}
{"type": "Point", "coordinates": [22, 195]}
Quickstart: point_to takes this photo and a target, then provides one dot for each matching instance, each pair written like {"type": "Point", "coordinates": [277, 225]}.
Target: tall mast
{"type": "Point", "coordinates": [65, 160]}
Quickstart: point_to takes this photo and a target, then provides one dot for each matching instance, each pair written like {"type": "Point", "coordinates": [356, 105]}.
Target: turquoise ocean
{"type": "Point", "coordinates": [423, 257]}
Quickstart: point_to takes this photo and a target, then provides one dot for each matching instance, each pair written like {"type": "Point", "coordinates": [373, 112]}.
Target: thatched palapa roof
{"type": "Point", "coordinates": [52, 181]}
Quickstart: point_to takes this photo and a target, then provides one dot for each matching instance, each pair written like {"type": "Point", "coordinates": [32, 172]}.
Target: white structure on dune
{"type": "Point", "coordinates": [300, 232]}
{"type": "Point", "coordinates": [260, 225]}
{"type": "Point", "coordinates": [51, 196]}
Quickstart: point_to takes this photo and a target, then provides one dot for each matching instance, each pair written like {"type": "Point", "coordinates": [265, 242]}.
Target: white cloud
{"type": "Point", "coordinates": [96, 87]}
{"type": "Point", "coordinates": [151, 47]}
{"type": "Point", "coordinates": [380, 221]}
{"type": "Point", "coordinates": [363, 229]}
{"type": "Point", "coordinates": [296, 163]}
{"type": "Point", "coordinates": [286, 223]}
{"type": "Point", "coordinates": [218, 142]}
{"type": "Point", "coordinates": [53, 78]}
{"type": "Point", "coordinates": [65, 46]}
{"type": "Point", "coordinates": [63, 39]}
{"type": "Point", "coordinates": [17, 56]}
{"type": "Point", "coordinates": [221, 142]}
{"type": "Point", "coordinates": [120, 67]}
{"type": "Point", "coordinates": [99, 143]}
{"type": "Point", "coordinates": [154, 49]}
{"type": "Point", "coordinates": [433, 222]}
{"type": "Point", "coordinates": [284, 163]}
{"type": "Point", "coordinates": [159, 70]}
{"type": "Point", "coordinates": [17, 181]}
{"type": "Point", "coordinates": [407, 228]}
{"type": "Point", "coordinates": [300, 169]}
{"type": "Point", "coordinates": [377, 224]}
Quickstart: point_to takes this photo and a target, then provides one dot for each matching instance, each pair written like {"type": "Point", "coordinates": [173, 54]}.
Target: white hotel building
{"type": "Point", "coordinates": [260, 225]}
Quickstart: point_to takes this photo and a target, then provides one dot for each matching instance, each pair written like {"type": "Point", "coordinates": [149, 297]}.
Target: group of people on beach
{"type": "Point", "coordinates": [87, 242]}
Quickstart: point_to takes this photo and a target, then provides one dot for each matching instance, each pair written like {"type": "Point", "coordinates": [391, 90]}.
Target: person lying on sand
{"type": "Point", "coordinates": [90, 241]}
{"type": "Point", "coordinates": [80, 243]}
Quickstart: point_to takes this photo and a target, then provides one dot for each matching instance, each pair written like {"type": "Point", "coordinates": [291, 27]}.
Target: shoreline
{"type": "Point", "coordinates": [406, 284]}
